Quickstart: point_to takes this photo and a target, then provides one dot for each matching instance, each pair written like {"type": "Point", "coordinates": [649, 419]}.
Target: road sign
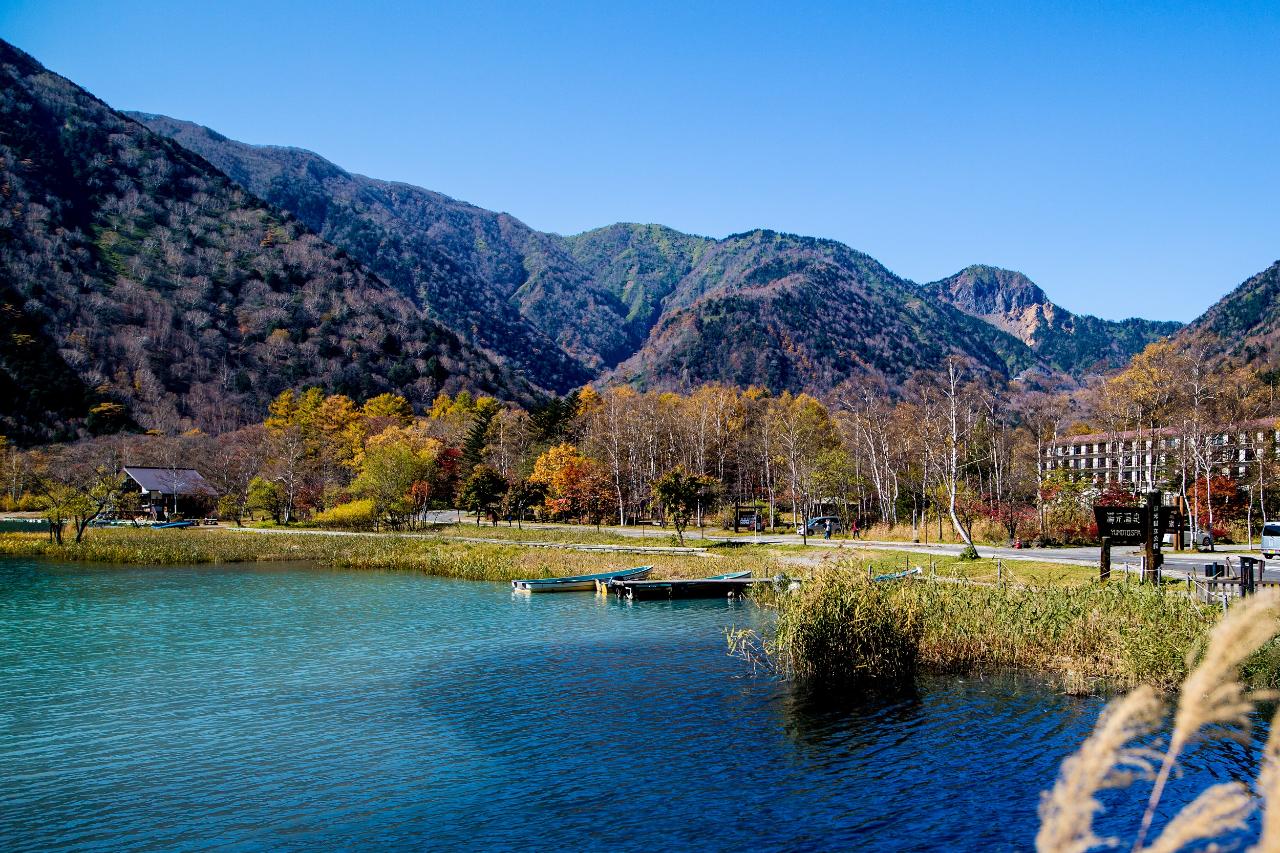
{"type": "Point", "coordinates": [1172, 521]}
{"type": "Point", "coordinates": [1125, 525]}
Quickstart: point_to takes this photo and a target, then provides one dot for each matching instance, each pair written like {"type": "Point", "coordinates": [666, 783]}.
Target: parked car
{"type": "Point", "coordinates": [1202, 540]}
{"type": "Point", "coordinates": [815, 525]}
{"type": "Point", "coordinates": [1270, 540]}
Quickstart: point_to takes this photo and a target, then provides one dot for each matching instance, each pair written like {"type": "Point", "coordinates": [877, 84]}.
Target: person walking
{"type": "Point", "coordinates": [826, 529]}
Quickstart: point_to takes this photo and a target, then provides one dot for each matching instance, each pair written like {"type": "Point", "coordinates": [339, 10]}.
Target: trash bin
{"type": "Point", "coordinates": [1249, 574]}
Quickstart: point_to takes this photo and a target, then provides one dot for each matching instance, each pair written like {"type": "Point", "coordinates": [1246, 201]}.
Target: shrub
{"type": "Point", "coordinates": [356, 515]}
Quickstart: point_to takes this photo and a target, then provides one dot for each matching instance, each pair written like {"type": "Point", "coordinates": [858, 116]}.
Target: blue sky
{"type": "Point", "coordinates": [1124, 156]}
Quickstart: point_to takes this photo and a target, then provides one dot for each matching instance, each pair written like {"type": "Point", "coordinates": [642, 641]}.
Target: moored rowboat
{"type": "Point", "coordinates": [578, 583]}
{"type": "Point", "coordinates": [717, 586]}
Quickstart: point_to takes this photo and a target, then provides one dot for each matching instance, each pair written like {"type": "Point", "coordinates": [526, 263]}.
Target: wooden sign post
{"type": "Point", "coordinates": [1152, 540]}
{"type": "Point", "coordinates": [1131, 525]}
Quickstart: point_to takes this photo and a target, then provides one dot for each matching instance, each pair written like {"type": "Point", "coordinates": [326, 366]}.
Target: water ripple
{"type": "Point", "coordinates": [295, 708]}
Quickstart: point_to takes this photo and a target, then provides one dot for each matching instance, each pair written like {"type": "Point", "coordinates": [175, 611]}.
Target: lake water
{"type": "Point", "coordinates": [296, 708]}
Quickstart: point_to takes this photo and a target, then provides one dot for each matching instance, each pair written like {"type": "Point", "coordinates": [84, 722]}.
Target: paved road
{"type": "Point", "coordinates": [1122, 559]}
{"type": "Point", "coordinates": [1176, 564]}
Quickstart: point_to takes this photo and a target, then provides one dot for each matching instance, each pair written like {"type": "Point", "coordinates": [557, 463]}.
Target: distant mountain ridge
{"type": "Point", "coordinates": [647, 288]}
{"type": "Point", "coordinates": [1076, 344]}
{"type": "Point", "coordinates": [507, 289]}
{"type": "Point", "coordinates": [786, 311]}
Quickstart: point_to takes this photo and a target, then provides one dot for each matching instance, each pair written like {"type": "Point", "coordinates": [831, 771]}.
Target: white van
{"type": "Point", "coordinates": [1270, 540]}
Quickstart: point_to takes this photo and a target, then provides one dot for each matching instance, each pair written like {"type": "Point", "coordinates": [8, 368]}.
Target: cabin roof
{"type": "Point", "coordinates": [169, 481]}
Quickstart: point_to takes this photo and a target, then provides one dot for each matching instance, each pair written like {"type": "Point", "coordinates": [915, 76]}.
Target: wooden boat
{"type": "Point", "coordinates": [578, 583]}
{"type": "Point", "coordinates": [716, 586]}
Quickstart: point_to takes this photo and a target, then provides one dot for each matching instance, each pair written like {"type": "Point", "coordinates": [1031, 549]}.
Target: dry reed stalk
{"type": "Point", "coordinates": [1269, 790]}
{"type": "Point", "coordinates": [1212, 695]}
{"type": "Point", "coordinates": [1107, 759]}
{"type": "Point", "coordinates": [1218, 809]}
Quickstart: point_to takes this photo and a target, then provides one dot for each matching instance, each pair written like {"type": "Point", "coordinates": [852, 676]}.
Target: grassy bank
{"type": "Point", "coordinates": [878, 561]}
{"type": "Point", "coordinates": [583, 536]}
{"type": "Point", "coordinates": [839, 627]}
{"type": "Point", "coordinates": [441, 556]}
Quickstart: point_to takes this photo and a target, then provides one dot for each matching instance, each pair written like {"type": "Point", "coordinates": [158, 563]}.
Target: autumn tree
{"type": "Point", "coordinates": [684, 495]}
{"type": "Point", "coordinates": [395, 460]}
{"type": "Point", "coordinates": [611, 431]}
{"type": "Point", "coordinates": [482, 491]}
{"type": "Point", "coordinates": [77, 483]}
{"type": "Point", "coordinates": [509, 443]}
{"type": "Point", "coordinates": [573, 482]}
{"type": "Point", "coordinates": [800, 429]}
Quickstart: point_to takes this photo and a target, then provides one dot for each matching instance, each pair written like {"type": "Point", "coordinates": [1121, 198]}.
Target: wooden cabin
{"type": "Point", "coordinates": [171, 492]}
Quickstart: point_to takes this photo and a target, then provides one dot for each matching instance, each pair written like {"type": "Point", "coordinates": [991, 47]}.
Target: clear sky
{"type": "Point", "coordinates": [1126, 156]}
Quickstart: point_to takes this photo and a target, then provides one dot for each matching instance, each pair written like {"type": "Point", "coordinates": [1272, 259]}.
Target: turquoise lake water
{"type": "Point", "coordinates": [297, 708]}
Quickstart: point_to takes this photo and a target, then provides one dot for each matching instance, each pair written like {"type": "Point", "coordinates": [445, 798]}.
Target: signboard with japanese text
{"type": "Point", "coordinates": [1125, 525]}
{"type": "Point", "coordinates": [1171, 520]}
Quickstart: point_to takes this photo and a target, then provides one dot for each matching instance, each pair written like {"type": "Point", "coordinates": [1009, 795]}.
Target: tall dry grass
{"type": "Point", "coordinates": [1213, 703]}
{"type": "Point", "coordinates": [833, 630]}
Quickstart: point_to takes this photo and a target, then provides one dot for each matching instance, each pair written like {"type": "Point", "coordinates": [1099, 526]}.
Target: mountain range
{"type": "Point", "coordinates": [156, 274]}
{"type": "Point", "coordinates": [650, 305]}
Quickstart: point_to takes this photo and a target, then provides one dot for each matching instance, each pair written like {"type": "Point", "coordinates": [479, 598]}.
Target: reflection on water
{"type": "Point", "coordinates": [290, 707]}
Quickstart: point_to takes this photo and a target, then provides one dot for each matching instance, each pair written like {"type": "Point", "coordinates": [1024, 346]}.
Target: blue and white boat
{"type": "Point", "coordinates": [578, 583]}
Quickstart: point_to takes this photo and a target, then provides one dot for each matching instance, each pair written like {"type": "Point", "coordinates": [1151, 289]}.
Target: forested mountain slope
{"type": "Point", "coordinates": [783, 311]}
{"type": "Point", "coordinates": [132, 272]}
{"type": "Point", "coordinates": [514, 291]}
{"type": "Point", "coordinates": [1243, 327]}
{"type": "Point", "coordinates": [639, 264]}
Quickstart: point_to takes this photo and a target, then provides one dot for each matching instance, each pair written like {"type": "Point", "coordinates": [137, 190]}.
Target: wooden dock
{"type": "Point", "coordinates": [691, 588]}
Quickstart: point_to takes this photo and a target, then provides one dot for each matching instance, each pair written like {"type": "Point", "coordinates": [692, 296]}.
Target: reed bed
{"type": "Point", "coordinates": [440, 556]}
{"type": "Point", "coordinates": [566, 535]}
{"type": "Point", "coordinates": [541, 533]}
{"type": "Point", "coordinates": [1089, 635]}
{"type": "Point", "coordinates": [837, 629]}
